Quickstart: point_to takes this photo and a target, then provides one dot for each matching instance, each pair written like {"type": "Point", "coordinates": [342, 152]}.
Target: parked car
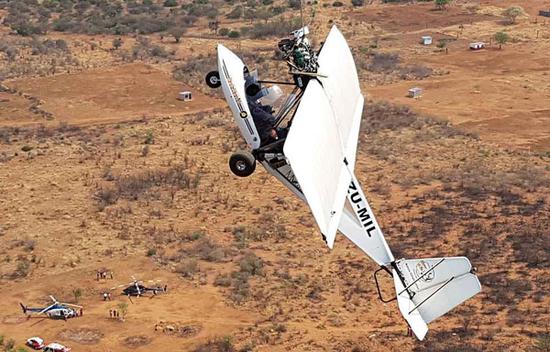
{"type": "Point", "coordinates": [56, 347]}
{"type": "Point", "coordinates": [36, 343]}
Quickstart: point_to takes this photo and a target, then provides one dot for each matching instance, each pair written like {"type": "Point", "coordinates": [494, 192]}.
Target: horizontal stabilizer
{"type": "Point", "coordinates": [428, 288]}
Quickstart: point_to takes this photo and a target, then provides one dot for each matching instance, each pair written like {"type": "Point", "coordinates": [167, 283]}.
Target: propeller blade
{"type": "Point", "coordinates": [72, 305]}
{"type": "Point", "coordinates": [47, 308]}
{"type": "Point", "coordinates": [53, 299]}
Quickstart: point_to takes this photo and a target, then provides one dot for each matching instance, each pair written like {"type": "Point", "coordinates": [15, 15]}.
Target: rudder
{"type": "Point", "coordinates": [428, 288]}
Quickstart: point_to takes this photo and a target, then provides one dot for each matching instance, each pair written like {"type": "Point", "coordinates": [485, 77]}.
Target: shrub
{"type": "Point", "coordinates": [223, 344]}
{"type": "Point", "coordinates": [542, 342]}
{"type": "Point", "coordinates": [294, 4]}
{"type": "Point", "coordinates": [251, 264]}
{"type": "Point", "coordinates": [209, 251]}
{"type": "Point", "coordinates": [23, 268]}
{"type": "Point", "coordinates": [384, 62]}
{"type": "Point", "coordinates": [357, 3]}
{"type": "Point", "coordinates": [415, 72]}
{"type": "Point", "coordinates": [151, 252]}
{"type": "Point", "coordinates": [170, 3]}
{"type": "Point", "coordinates": [222, 280]}
{"type": "Point", "coordinates": [337, 4]}
{"type": "Point", "coordinates": [187, 268]}
{"type": "Point", "coordinates": [234, 34]}
{"type": "Point", "coordinates": [223, 31]}
{"type": "Point", "coordinates": [117, 43]}
{"type": "Point", "coordinates": [277, 28]}
{"type": "Point", "coordinates": [237, 12]}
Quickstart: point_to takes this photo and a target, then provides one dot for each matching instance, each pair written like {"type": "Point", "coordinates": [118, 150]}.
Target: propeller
{"type": "Point", "coordinates": [72, 305]}
{"type": "Point", "coordinates": [47, 308]}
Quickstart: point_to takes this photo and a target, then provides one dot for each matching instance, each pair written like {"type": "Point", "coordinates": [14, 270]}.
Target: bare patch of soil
{"type": "Point", "coordinates": [85, 336]}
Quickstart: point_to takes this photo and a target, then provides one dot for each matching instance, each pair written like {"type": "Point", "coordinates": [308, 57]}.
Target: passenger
{"type": "Point", "coordinates": [262, 114]}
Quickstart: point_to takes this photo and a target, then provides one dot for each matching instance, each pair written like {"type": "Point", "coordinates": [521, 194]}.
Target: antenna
{"type": "Point", "coordinates": [302, 13]}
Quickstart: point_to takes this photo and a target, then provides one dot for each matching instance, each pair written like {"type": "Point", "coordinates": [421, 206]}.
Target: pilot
{"type": "Point", "coordinates": [260, 102]}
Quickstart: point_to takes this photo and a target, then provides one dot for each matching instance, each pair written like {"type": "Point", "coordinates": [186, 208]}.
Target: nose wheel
{"type": "Point", "coordinates": [242, 164]}
{"type": "Point", "coordinates": [213, 79]}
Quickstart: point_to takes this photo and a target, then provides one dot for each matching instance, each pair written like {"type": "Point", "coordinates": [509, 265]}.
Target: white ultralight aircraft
{"type": "Point", "coordinates": [316, 162]}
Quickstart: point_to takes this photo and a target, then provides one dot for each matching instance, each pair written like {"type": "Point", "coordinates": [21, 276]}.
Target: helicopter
{"type": "Point", "coordinates": [136, 288]}
{"type": "Point", "coordinates": [57, 310]}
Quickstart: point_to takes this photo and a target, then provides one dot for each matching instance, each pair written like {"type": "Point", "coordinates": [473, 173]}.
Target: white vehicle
{"type": "Point", "coordinates": [36, 343]}
{"type": "Point", "coordinates": [56, 347]}
{"type": "Point", "coordinates": [316, 162]}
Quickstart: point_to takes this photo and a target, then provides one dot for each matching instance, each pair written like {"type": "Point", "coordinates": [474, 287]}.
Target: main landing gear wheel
{"type": "Point", "coordinates": [242, 164]}
{"type": "Point", "coordinates": [213, 79]}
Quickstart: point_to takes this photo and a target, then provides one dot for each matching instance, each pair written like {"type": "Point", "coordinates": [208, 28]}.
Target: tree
{"type": "Point", "coordinates": [501, 38]}
{"type": "Point", "coordinates": [441, 4]}
{"type": "Point", "coordinates": [123, 308]}
{"type": "Point", "coordinates": [77, 293]}
{"type": "Point", "coordinates": [177, 33]}
{"type": "Point", "coordinates": [512, 13]}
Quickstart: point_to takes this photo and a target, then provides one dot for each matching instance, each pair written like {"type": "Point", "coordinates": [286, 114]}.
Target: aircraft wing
{"type": "Point", "coordinates": [313, 148]}
{"type": "Point", "coordinates": [341, 85]}
{"type": "Point", "coordinates": [322, 143]}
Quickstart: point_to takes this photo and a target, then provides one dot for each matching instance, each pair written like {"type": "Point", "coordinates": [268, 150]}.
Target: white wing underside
{"type": "Point", "coordinates": [322, 143]}
{"type": "Point", "coordinates": [313, 150]}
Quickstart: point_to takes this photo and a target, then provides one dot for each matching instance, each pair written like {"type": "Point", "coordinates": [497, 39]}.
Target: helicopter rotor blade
{"type": "Point", "coordinates": [47, 308]}
{"type": "Point", "coordinates": [72, 305]}
{"type": "Point", "coordinates": [53, 299]}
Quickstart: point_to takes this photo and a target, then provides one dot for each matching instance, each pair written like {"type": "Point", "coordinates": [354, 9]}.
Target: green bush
{"type": "Point", "coordinates": [170, 3]}
{"type": "Point", "coordinates": [223, 31]}
{"type": "Point", "coordinates": [234, 34]}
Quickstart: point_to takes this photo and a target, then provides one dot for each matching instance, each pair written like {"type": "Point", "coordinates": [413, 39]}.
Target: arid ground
{"type": "Point", "coordinates": [102, 167]}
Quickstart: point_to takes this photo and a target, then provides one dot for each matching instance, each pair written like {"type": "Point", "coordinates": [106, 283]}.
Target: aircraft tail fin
{"type": "Point", "coordinates": [428, 288]}
{"type": "Point", "coordinates": [23, 307]}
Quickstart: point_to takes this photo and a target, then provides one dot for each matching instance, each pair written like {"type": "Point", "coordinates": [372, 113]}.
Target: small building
{"type": "Point", "coordinates": [185, 96]}
{"type": "Point", "coordinates": [427, 40]}
{"type": "Point", "coordinates": [415, 92]}
{"type": "Point", "coordinates": [544, 13]}
{"type": "Point", "coordinates": [477, 45]}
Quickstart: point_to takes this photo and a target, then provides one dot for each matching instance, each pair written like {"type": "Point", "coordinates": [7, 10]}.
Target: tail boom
{"type": "Point", "coordinates": [425, 288]}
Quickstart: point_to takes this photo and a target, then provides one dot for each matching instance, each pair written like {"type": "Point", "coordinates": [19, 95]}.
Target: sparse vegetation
{"type": "Point", "coordinates": [134, 186]}
{"type": "Point", "coordinates": [501, 38]}
{"type": "Point", "coordinates": [512, 13]}
{"type": "Point", "coordinates": [441, 4]}
{"type": "Point", "coordinates": [222, 344]}
{"type": "Point", "coordinates": [77, 293]}
{"type": "Point", "coordinates": [169, 207]}
{"type": "Point", "coordinates": [123, 309]}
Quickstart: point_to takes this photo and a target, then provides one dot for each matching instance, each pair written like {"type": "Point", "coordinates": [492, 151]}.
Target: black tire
{"type": "Point", "coordinates": [242, 164]}
{"type": "Point", "coordinates": [213, 79]}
